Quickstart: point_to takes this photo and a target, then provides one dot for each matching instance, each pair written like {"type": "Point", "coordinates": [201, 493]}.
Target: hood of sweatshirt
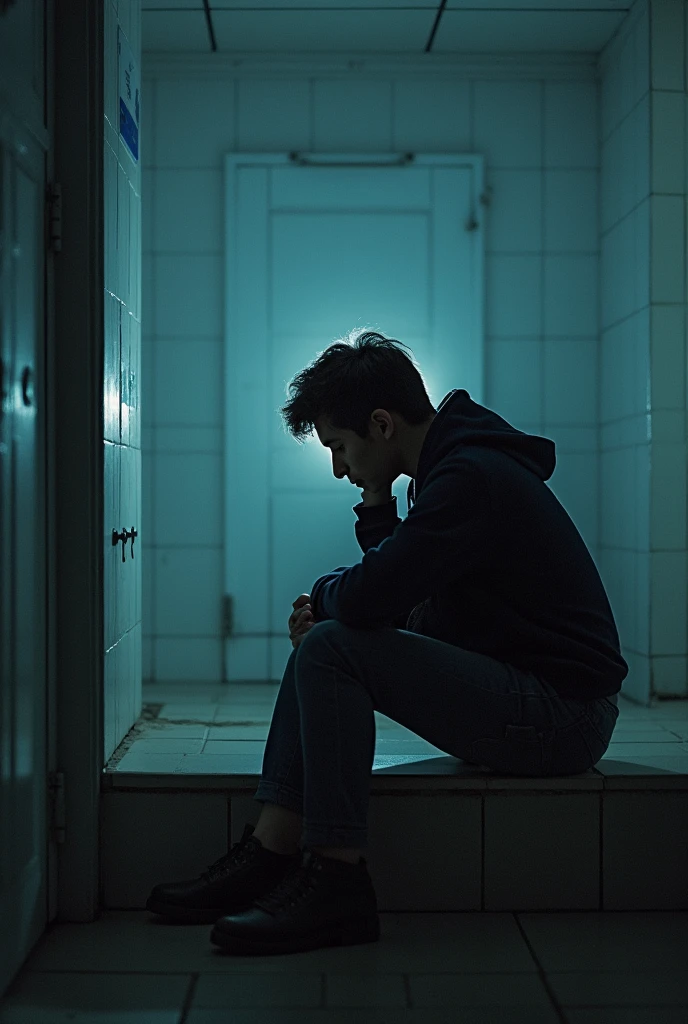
{"type": "Point", "coordinates": [461, 421]}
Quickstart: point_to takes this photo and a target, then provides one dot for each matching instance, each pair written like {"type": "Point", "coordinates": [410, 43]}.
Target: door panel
{"type": "Point", "coordinates": [23, 668]}
{"type": "Point", "coordinates": [314, 251]}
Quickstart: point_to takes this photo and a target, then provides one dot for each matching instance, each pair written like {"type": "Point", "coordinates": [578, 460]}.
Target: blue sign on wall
{"type": "Point", "coordinates": [128, 95]}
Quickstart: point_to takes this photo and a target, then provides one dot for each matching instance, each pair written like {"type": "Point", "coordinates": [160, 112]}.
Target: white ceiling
{"type": "Point", "coordinates": [409, 27]}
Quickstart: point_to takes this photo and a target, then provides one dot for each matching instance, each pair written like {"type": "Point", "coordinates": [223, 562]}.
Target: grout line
{"type": "Point", "coordinates": [600, 905]}
{"type": "Point", "coordinates": [541, 971]}
{"type": "Point", "coordinates": [482, 851]}
{"type": "Point", "coordinates": [191, 992]}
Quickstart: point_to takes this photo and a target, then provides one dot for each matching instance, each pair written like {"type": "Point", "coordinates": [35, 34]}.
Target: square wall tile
{"type": "Point", "coordinates": [570, 381]}
{"type": "Point", "coordinates": [148, 196]}
{"type": "Point", "coordinates": [508, 123]}
{"type": "Point", "coordinates": [188, 205]}
{"type": "Point", "coordinates": [514, 223]}
{"type": "Point", "coordinates": [189, 382]}
{"type": "Point", "coordinates": [350, 115]}
{"type": "Point", "coordinates": [667, 238]}
{"type": "Point", "coordinates": [669, 520]}
{"type": "Point", "coordinates": [571, 286]}
{"type": "Point", "coordinates": [668, 592]}
{"type": "Point", "coordinates": [668, 142]}
{"type": "Point", "coordinates": [645, 850]}
{"type": "Point", "coordinates": [570, 211]}
{"type": "Point", "coordinates": [434, 829]}
{"type": "Point", "coordinates": [188, 489]}
{"type": "Point", "coordinates": [188, 591]}
{"type": "Point", "coordinates": [515, 359]}
{"type": "Point", "coordinates": [273, 115]}
{"type": "Point", "coordinates": [194, 121]}
{"type": "Point", "coordinates": [148, 122]}
{"type": "Point", "coordinates": [188, 296]}
{"type": "Point", "coordinates": [123, 194]}
{"type": "Point", "coordinates": [571, 124]}
{"type": "Point", "coordinates": [668, 354]}
{"type": "Point", "coordinates": [514, 290]}
{"type": "Point", "coordinates": [449, 129]}
{"type": "Point", "coordinates": [148, 838]}
{"type": "Point", "coordinates": [533, 866]}
{"type": "Point", "coordinates": [667, 40]}
{"type": "Point", "coordinates": [198, 658]}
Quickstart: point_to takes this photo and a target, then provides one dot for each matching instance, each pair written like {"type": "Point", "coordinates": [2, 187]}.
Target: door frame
{"type": "Point", "coordinates": [74, 452]}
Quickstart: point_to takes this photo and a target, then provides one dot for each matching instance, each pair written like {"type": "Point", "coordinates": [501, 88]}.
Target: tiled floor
{"type": "Point", "coordinates": [192, 729]}
{"type": "Point", "coordinates": [481, 968]}
{"type": "Point", "coordinates": [580, 968]}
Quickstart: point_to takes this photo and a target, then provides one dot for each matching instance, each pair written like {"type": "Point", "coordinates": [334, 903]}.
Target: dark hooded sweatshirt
{"type": "Point", "coordinates": [487, 558]}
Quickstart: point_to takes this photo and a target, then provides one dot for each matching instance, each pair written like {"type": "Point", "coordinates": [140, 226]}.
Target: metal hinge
{"type": "Point", "coordinates": [227, 614]}
{"type": "Point", "coordinates": [57, 806]}
{"type": "Point", "coordinates": [53, 198]}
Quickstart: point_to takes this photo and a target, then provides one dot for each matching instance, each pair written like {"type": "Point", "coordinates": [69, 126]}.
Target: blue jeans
{"type": "Point", "coordinates": [321, 744]}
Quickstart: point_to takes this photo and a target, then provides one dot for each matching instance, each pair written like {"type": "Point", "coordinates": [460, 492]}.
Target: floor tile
{"type": "Point", "coordinates": [137, 940]}
{"type": "Point", "coordinates": [663, 765]}
{"type": "Point", "coordinates": [426, 969]}
{"type": "Point", "coordinates": [168, 745]}
{"type": "Point", "coordinates": [223, 748]}
{"type": "Point", "coordinates": [179, 708]}
{"type": "Point", "coordinates": [655, 749]}
{"type": "Point", "coordinates": [379, 1015]}
{"type": "Point", "coordinates": [628, 1015]}
{"type": "Point", "coordinates": [172, 730]}
{"type": "Point", "coordinates": [237, 732]}
{"type": "Point", "coordinates": [609, 941]}
{"type": "Point", "coordinates": [37, 998]}
{"type": "Point", "coordinates": [151, 764]}
{"type": "Point", "coordinates": [258, 990]}
{"type": "Point", "coordinates": [620, 988]}
{"type": "Point", "coordinates": [505, 989]}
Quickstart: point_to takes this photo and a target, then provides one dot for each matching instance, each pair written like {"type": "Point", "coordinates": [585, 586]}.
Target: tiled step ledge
{"type": "Point", "coordinates": [435, 844]}
{"type": "Point", "coordinates": [194, 772]}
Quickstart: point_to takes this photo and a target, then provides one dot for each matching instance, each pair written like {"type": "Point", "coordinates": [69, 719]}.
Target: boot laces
{"type": "Point", "coordinates": [221, 865]}
{"type": "Point", "coordinates": [294, 888]}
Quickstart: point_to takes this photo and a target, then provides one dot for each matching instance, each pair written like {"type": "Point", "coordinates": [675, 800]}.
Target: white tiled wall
{"type": "Point", "coordinates": [540, 139]}
{"type": "Point", "coordinates": [548, 145]}
{"type": "Point", "coordinates": [122, 432]}
{"type": "Point", "coordinates": [642, 549]}
{"type": "Point", "coordinates": [589, 352]}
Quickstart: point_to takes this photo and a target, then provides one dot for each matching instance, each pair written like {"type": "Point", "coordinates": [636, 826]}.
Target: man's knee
{"type": "Point", "coordinates": [326, 627]}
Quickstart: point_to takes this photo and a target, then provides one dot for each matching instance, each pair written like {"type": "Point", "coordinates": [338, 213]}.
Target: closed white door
{"type": "Point", "coordinates": [23, 675]}
{"type": "Point", "coordinates": [315, 249]}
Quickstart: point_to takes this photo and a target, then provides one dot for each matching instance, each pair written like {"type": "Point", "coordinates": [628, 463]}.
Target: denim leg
{"type": "Point", "coordinates": [282, 774]}
{"type": "Point", "coordinates": [321, 745]}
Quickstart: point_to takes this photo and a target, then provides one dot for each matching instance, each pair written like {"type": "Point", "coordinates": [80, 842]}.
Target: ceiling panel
{"type": "Point", "coordinates": [544, 5]}
{"type": "Point", "coordinates": [172, 5]}
{"type": "Point", "coordinates": [381, 26]}
{"type": "Point", "coordinates": [401, 31]}
{"type": "Point", "coordinates": [525, 31]}
{"type": "Point", "coordinates": [369, 5]}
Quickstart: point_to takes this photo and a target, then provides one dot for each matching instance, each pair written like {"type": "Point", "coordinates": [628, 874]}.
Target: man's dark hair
{"type": "Point", "coordinates": [352, 377]}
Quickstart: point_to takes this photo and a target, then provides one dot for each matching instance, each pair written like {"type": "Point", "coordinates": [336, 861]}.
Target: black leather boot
{"type": "Point", "coordinates": [228, 886]}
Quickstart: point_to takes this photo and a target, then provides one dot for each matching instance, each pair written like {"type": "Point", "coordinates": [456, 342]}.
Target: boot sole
{"type": "Point", "coordinates": [192, 915]}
